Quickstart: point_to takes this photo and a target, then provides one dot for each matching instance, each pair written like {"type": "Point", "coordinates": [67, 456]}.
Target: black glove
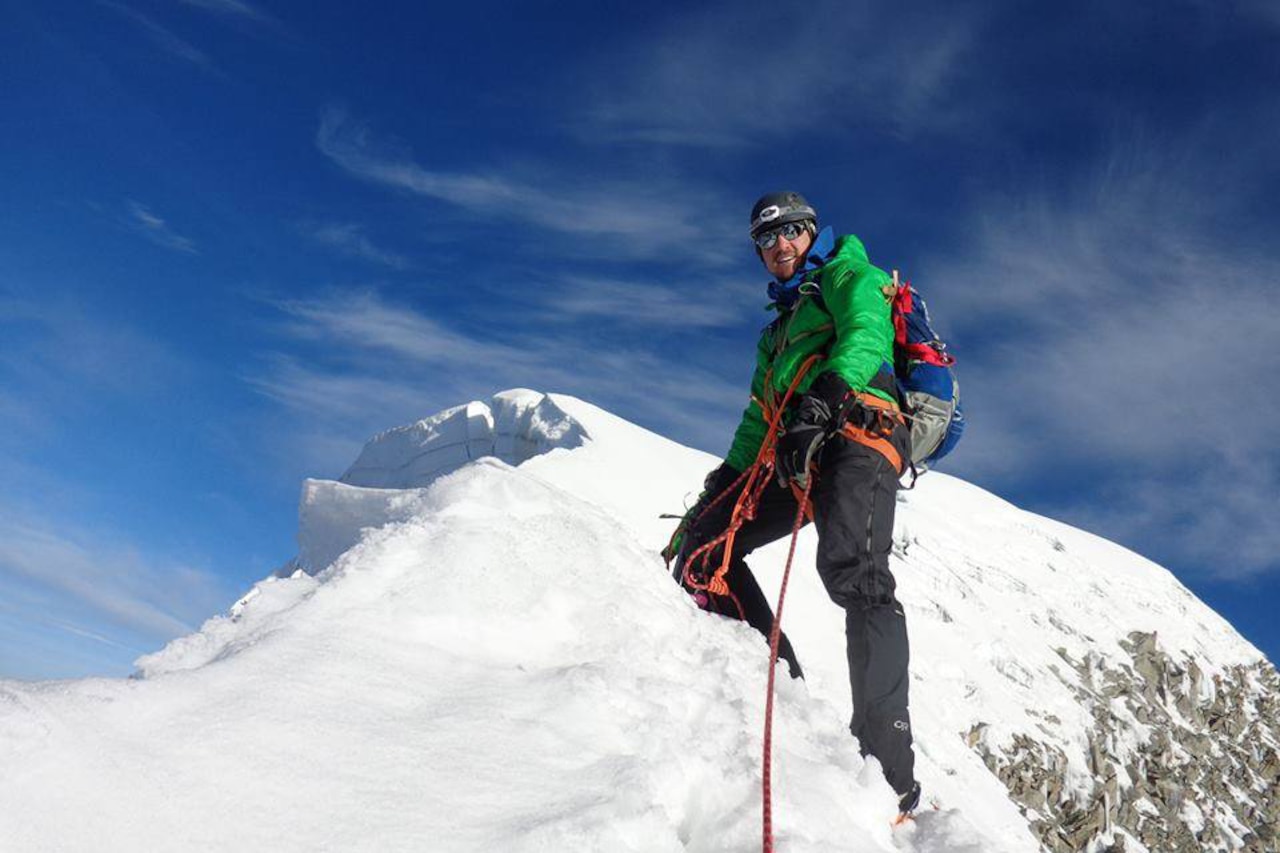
{"type": "Point", "coordinates": [820, 413]}
{"type": "Point", "coordinates": [700, 525]}
{"type": "Point", "coordinates": [799, 445]}
{"type": "Point", "coordinates": [704, 521]}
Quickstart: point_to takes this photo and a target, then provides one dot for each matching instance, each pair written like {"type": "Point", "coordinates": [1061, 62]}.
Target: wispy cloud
{"type": "Point", "coordinates": [164, 38]}
{"type": "Point", "coordinates": [376, 363]}
{"type": "Point", "coordinates": [61, 351]}
{"type": "Point", "coordinates": [92, 586]}
{"type": "Point", "coordinates": [334, 396]}
{"type": "Point", "coordinates": [349, 239]}
{"type": "Point", "coordinates": [110, 586]}
{"type": "Point", "coordinates": [155, 229]}
{"type": "Point", "coordinates": [640, 218]}
{"type": "Point", "coordinates": [363, 321]}
{"type": "Point", "coordinates": [699, 82]}
{"type": "Point", "coordinates": [699, 301]}
{"type": "Point", "coordinates": [1125, 315]}
{"type": "Point", "coordinates": [1218, 519]}
{"type": "Point", "coordinates": [235, 8]}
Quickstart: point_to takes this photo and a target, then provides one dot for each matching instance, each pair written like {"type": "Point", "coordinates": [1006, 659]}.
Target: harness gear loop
{"type": "Point", "coordinates": [879, 417]}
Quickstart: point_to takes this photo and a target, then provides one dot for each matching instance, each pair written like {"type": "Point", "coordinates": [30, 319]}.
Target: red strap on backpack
{"type": "Point", "coordinates": [904, 304]}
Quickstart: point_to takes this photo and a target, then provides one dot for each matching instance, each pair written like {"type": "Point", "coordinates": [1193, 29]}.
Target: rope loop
{"type": "Point", "coordinates": [757, 479]}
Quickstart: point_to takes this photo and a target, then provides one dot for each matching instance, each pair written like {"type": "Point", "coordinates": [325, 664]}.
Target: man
{"type": "Point", "coordinates": [843, 429]}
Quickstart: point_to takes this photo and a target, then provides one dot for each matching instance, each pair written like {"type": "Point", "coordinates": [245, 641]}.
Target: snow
{"type": "Point", "coordinates": [484, 652]}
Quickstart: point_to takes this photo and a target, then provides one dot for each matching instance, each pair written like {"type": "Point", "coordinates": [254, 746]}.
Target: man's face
{"type": "Point", "coordinates": [784, 257]}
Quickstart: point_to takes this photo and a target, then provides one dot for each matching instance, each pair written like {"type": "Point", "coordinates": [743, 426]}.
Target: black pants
{"type": "Point", "coordinates": [853, 502]}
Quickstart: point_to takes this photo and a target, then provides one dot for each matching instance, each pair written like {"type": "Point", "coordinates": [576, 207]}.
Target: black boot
{"type": "Point", "coordinates": [909, 801]}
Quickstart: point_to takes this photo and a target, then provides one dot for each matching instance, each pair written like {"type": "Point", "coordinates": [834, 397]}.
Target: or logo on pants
{"type": "Point", "coordinates": [901, 725]}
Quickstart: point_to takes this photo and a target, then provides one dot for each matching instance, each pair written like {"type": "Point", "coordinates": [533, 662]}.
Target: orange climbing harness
{"type": "Point", "coordinates": [883, 417]}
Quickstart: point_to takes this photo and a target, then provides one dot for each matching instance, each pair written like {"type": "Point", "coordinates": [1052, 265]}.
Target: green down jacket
{"type": "Point", "coordinates": [854, 333]}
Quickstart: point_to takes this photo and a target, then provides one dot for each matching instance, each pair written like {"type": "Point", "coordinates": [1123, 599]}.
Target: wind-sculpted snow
{"type": "Point", "coordinates": [487, 654]}
{"type": "Point", "coordinates": [514, 426]}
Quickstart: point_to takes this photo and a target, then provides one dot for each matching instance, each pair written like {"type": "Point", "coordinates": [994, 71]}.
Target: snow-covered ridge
{"type": "Point", "coordinates": [486, 653]}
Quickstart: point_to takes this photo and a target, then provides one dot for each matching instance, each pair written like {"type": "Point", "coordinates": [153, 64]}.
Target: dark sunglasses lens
{"type": "Point", "coordinates": [790, 231]}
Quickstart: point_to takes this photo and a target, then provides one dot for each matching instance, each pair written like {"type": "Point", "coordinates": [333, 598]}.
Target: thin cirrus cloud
{"type": "Point", "coordinates": [350, 239]}
{"type": "Point", "coordinates": [362, 321]}
{"type": "Point", "coordinates": [358, 402]}
{"type": "Point", "coordinates": [161, 36]}
{"type": "Point", "coordinates": [74, 582]}
{"type": "Point", "coordinates": [700, 83]}
{"type": "Point", "coordinates": [383, 363]}
{"type": "Point", "coordinates": [62, 354]}
{"type": "Point", "coordinates": [143, 221]}
{"type": "Point", "coordinates": [175, 45]}
{"type": "Point", "coordinates": [1117, 311]}
{"type": "Point", "coordinates": [693, 302]}
{"type": "Point", "coordinates": [235, 8]}
{"type": "Point", "coordinates": [636, 218]}
{"type": "Point", "coordinates": [66, 363]}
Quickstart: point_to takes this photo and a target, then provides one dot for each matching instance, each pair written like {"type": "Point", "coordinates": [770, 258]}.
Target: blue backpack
{"type": "Point", "coordinates": [927, 384]}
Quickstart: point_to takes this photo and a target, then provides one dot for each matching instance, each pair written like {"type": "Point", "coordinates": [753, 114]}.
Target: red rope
{"type": "Point", "coordinates": [775, 638]}
{"type": "Point", "coordinates": [757, 479]}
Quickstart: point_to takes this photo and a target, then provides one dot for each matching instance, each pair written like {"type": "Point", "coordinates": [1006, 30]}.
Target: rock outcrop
{"type": "Point", "coordinates": [1174, 761]}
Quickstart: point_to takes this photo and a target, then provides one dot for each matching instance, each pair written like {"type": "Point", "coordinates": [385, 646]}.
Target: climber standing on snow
{"type": "Point", "coordinates": [844, 429]}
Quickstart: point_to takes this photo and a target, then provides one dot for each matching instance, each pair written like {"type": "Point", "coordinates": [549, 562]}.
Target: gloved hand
{"type": "Point", "coordinates": [700, 525]}
{"type": "Point", "coordinates": [799, 445]}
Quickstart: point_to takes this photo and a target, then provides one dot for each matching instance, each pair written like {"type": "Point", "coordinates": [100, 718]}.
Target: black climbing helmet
{"type": "Point", "coordinates": [775, 209]}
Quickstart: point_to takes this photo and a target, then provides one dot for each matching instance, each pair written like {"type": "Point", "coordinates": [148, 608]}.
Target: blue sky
{"type": "Point", "coordinates": [238, 238]}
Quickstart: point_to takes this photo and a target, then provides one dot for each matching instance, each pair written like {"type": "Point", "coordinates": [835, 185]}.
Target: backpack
{"type": "Point", "coordinates": [927, 385]}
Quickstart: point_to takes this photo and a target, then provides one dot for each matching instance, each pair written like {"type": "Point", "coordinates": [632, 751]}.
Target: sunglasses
{"type": "Point", "coordinates": [790, 231]}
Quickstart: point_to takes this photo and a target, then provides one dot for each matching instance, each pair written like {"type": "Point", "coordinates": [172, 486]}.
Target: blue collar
{"type": "Point", "coordinates": [785, 293]}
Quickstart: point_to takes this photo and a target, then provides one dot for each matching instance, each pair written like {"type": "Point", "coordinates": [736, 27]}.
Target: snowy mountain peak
{"type": "Point", "coordinates": [482, 651]}
{"type": "Point", "coordinates": [514, 426]}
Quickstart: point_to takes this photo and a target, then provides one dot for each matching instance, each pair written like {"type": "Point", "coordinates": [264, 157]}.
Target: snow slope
{"type": "Point", "coordinates": [485, 653]}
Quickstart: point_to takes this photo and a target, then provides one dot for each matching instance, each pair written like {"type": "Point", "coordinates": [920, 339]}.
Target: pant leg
{"type": "Point", "coordinates": [755, 609]}
{"type": "Point", "coordinates": [876, 643]}
{"type": "Point", "coordinates": [854, 505]}
{"type": "Point", "coordinates": [774, 519]}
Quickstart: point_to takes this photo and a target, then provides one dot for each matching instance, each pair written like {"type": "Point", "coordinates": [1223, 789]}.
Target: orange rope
{"type": "Point", "coordinates": [757, 478]}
